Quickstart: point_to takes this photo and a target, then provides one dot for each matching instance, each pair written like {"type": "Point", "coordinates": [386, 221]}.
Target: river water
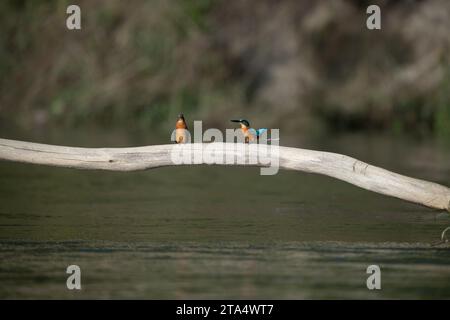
{"type": "Point", "coordinates": [221, 232]}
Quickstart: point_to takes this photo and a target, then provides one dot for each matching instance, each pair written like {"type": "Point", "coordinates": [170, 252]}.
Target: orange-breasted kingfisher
{"type": "Point", "coordinates": [250, 134]}
{"type": "Point", "coordinates": [181, 129]}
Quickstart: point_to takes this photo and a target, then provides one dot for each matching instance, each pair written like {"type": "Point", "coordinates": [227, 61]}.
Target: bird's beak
{"type": "Point", "coordinates": [236, 121]}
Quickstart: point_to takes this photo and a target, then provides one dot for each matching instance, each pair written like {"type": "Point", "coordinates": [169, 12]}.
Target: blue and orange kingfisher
{"type": "Point", "coordinates": [181, 130]}
{"type": "Point", "coordinates": [250, 134]}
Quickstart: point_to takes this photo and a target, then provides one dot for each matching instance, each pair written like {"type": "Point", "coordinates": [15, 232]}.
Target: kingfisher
{"type": "Point", "coordinates": [250, 134]}
{"type": "Point", "coordinates": [181, 130]}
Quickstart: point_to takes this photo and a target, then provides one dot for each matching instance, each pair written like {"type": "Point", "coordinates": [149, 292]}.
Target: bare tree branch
{"type": "Point", "coordinates": [334, 165]}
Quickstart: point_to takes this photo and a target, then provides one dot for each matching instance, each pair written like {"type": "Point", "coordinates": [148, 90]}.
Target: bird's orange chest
{"type": "Point", "coordinates": [180, 124]}
{"type": "Point", "coordinates": [247, 134]}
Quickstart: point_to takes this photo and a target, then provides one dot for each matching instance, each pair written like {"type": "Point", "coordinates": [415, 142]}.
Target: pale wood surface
{"type": "Point", "coordinates": [334, 165]}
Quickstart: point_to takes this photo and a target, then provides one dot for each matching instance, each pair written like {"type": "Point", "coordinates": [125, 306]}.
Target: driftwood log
{"type": "Point", "coordinates": [334, 165]}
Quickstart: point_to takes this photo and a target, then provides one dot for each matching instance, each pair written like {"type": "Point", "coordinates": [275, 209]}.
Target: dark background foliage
{"type": "Point", "coordinates": [296, 64]}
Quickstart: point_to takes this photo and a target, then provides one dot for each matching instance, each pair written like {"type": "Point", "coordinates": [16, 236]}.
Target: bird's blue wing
{"type": "Point", "coordinates": [260, 131]}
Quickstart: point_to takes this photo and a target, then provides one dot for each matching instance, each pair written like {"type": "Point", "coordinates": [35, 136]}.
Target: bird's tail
{"type": "Point", "coordinates": [259, 132]}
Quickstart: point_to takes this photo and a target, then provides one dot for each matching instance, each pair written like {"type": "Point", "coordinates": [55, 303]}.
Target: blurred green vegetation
{"type": "Point", "coordinates": [126, 65]}
{"type": "Point", "coordinates": [442, 102]}
{"type": "Point", "coordinates": [292, 65]}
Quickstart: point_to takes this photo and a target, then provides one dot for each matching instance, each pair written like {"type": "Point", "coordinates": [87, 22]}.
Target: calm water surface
{"type": "Point", "coordinates": [215, 232]}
